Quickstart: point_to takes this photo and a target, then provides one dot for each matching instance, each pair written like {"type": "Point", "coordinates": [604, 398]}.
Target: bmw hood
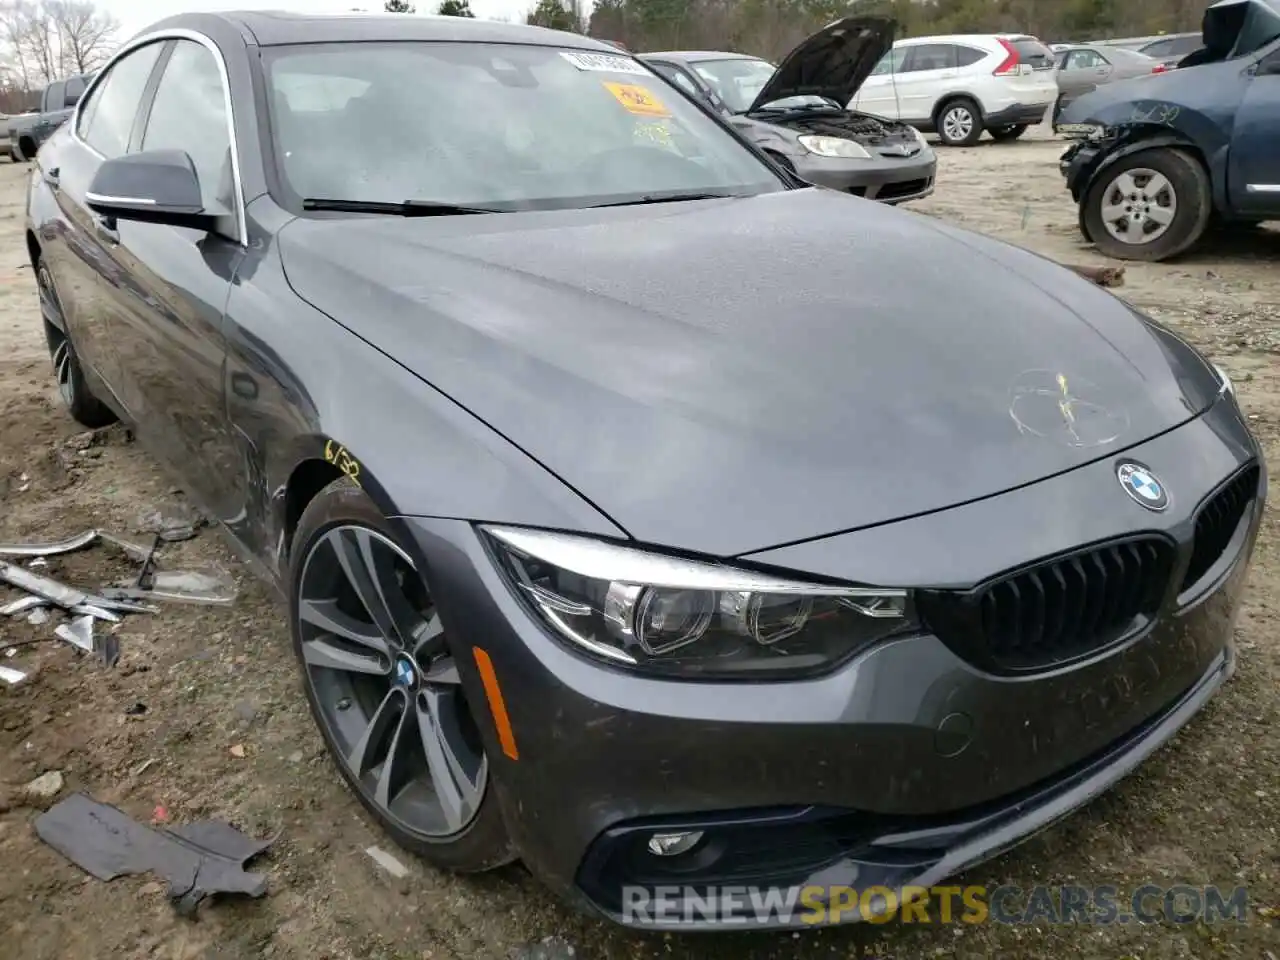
{"type": "Point", "coordinates": [833, 63]}
{"type": "Point", "coordinates": [880, 365]}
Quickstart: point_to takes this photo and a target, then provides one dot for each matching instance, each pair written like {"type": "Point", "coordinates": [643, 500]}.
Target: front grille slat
{"type": "Point", "coordinates": [1057, 611]}
{"type": "Point", "coordinates": [1217, 521]}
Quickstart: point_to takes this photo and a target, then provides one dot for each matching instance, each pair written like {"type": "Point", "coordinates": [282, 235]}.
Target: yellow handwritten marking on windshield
{"type": "Point", "coordinates": [637, 99]}
{"type": "Point", "coordinates": [1065, 403]}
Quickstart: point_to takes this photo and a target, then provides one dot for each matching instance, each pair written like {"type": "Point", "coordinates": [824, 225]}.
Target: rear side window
{"type": "Point", "coordinates": [54, 95]}
{"type": "Point", "coordinates": [891, 62]}
{"type": "Point", "coordinates": [930, 56]}
{"type": "Point", "coordinates": [75, 88]}
{"type": "Point", "coordinates": [1173, 46]}
{"type": "Point", "coordinates": [676, 76]}
{"type": "Point", "coordinates": [1032, 51]}
{"type": "Point", "coordinates": [106, 119]}
{"type": "Point", "coordinates": [968, 56]}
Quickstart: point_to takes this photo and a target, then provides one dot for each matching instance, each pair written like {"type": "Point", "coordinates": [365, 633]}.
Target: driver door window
{"type": "Point", "coordinates": [189, 113]}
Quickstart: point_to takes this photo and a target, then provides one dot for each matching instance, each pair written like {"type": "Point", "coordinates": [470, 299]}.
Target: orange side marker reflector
{"type": "Point", "coordinates": [497, 706]}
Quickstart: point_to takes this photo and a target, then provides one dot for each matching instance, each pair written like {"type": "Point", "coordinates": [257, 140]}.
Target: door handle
{"type": "Point", "coordinates": [52, 177]}
{"type": "Point", "coordinates": [105, 227]}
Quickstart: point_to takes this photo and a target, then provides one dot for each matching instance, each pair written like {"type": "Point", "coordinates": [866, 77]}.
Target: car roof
{"type": "Point", "coordinates": [273, 28]}
{"type": "Point", "coordinates": [693, 56]}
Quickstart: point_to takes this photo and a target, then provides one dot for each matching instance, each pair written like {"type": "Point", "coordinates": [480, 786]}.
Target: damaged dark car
{"type": "Point", "coordinates": [797, 113]}
{"type": "Point", "coordinates": [1160, 160]}
{"type": "Point", "coordinates": [639, 511]}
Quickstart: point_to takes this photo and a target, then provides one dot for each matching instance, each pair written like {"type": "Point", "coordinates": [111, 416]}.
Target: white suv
{"type": "Point", "coordinates": [958, 86]}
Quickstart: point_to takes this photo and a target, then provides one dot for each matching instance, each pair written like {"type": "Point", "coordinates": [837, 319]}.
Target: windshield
{"type": "Point", "coordinates": [738, 82]}
{"type": "Point", "coordinates": [499, 126]}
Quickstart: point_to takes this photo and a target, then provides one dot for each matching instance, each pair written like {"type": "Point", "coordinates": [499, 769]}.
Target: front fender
{"type": "Point", "coordinates": [303, 389]}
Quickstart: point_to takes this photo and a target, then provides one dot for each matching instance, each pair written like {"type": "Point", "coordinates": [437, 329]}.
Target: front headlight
{"type": "Point", "coordinates": [920, 136]}
{"type": "Point", "coordinates": [833, 147]}
{"type": "Point", "coordinates": [671, 615]}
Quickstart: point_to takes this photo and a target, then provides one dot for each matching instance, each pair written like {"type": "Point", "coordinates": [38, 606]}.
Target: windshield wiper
{"type": "Point", "coordinates": [673, 197]}
{"type": "Point", "coordinates": [406, 208]}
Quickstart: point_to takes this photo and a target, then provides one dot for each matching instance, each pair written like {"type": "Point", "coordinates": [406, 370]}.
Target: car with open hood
{"type": "Point", "coordinates": [1159, 159]}
{"type": "Point", "coordinates": [693, 534]}
{"type": "Point", "coordinates": [797, 112]}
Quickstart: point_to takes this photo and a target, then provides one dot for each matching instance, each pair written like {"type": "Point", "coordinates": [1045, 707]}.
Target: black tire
{"type": "Point", "coordinates": [483, 843]}
{"type": "Point", "coordinates": [85, 408]}
{"type": "Point", "coordinates": [1004, 134]}
{"type": "Point", "coordinates": [966, 122]}
{"type": "Point", "coordinates": [1192, 204]}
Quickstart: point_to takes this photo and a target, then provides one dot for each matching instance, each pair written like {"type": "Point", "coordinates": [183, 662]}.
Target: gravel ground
{"type": "Point", "coordinates": [223, 730]}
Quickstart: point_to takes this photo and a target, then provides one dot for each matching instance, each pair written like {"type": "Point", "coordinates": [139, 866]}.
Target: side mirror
{"type": "Point", "coordinates": [155, 186]}
{"type": "Point", "coordinates": [71, 99]}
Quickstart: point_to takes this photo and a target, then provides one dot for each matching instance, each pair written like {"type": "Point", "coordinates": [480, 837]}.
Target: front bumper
{"type": "Point", "coordinates": [887, 179]}
{"type": "Point", "coordinates": [901, 767]}
{"type": "Point", "coordinates": [1075, 164]}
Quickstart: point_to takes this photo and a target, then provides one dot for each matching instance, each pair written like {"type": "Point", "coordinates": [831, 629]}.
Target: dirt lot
{"type": "Point", "coordinates": [225, 732]}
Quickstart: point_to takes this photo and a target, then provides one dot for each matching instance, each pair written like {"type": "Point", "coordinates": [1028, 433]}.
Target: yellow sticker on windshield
{"type": "Point", "coordinates": [638, 99]}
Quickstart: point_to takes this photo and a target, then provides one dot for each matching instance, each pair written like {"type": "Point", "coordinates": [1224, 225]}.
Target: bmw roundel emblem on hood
{"type": "Point", "coordinates": [1142, 485]}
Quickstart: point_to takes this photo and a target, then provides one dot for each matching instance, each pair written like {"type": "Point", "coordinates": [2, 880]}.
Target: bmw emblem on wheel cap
{"type": "Point", "coordinates": [405, 674]}
{"type": "Point", "coordinates": [1142, 485]}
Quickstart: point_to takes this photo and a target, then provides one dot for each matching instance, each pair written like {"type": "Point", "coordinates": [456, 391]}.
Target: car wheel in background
{"type": "Point", "coordinates": [959, 122]}
{"type": "Point", "coordinates": [84, 407]}
{"type": "Point", "coordinates": [1012, 132]}
{"type": "Point", "coordinates": [1150, 205]}
{"type": "Point", "coordinates": [26, 149]}
{"type": "Point", "coordinates": [383, 685]}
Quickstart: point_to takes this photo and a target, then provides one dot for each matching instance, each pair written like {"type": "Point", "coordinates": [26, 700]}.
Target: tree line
{"type": "Point", "coordinates": [769, 28]}
{"type": "Point", "coordinates": [45, 40]}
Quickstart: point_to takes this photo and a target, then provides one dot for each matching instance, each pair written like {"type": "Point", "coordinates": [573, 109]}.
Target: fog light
{"type": "Point", "coordinates": [673, 844]}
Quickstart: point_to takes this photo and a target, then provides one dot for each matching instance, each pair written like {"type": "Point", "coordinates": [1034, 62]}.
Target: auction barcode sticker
{"type": "Point", "coordinates": [604, 62]}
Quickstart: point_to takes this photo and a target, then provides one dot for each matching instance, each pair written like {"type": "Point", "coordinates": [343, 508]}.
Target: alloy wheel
{"type": "Point", "coordinates": [1139, 206]}
{"type": "Point", "coordinates": [386, 685]}
{"type": "Point", "coordinates": [957, 123]}
{"type": "Point", "coordinates": [62, 356]}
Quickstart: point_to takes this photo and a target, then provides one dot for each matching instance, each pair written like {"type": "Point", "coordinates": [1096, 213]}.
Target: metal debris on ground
{"type": "Point", "coordinates": [22, 605]}
{"type": "Point", "coordinates": [70, 545]}
{"type": "Point", "coordinates": [40, 592]}
{"type": "Point", "coordinates": [78, 633]}
{"type": "Point", "coordinates": [198, 859]}
{"type": "Point", "coordinates": [11, 676]}
{"type": "Point", "coordinates": [387, 862]}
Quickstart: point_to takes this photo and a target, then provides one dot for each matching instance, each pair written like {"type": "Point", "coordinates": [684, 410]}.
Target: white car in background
{"type": "Point", "coordinates": [958, 86]}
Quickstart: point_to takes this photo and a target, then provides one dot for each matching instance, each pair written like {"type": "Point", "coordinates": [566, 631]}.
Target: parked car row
{"type": "Point", "coordinates": [1159, 160]}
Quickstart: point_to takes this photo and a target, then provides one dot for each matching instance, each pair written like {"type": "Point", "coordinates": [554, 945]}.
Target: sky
{"type": "Point", "coordinates": [134, 15]}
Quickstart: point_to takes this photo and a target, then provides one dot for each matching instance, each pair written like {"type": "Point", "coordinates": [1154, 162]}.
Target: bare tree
{"type": "Point", "coordinates": [86, 34]}
{"type": "Point", "coordinates": [44, 40]}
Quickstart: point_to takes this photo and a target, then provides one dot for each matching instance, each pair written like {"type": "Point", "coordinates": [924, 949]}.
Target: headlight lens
{"type": "Point", "coordinates": [920, 136]}
{"type": "Point", "coordinates": [670, 615]}
{"type": "Point", "coordinates": [834, 147]}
